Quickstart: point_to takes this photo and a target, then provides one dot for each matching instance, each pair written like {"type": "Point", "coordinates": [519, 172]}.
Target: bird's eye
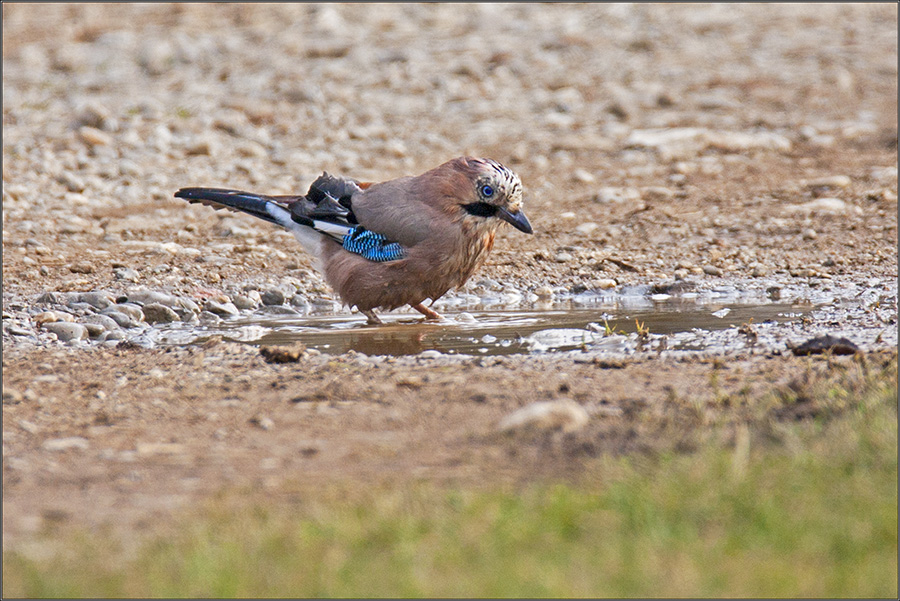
{"type": "Point", "coordinates": [487, 191]}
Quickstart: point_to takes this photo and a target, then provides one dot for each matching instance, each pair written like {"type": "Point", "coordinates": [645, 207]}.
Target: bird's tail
{"type": "Point", "coordinates": [307, 220]}
{"type": "Point", "coordinates": [257, 205]}
{"type": "Point", "coordinates": [321, 213]}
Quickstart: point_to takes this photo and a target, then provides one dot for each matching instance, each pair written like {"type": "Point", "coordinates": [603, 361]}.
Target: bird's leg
{"type": "Point", "coordinates": [371, 318]}
{"type": "Point", "coordinates": [428, 313]}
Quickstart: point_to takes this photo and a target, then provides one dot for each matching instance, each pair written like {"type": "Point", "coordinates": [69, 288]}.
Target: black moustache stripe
{"type": "Point", "coordinates": [480, 209]}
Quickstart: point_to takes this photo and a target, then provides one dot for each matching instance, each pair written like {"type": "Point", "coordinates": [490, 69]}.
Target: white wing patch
{"type": "Point", "coordinates": [309, 237]}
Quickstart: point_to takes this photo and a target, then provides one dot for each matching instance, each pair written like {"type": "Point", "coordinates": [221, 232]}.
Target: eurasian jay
{"type": "Point", "coordinates": [385, 245]}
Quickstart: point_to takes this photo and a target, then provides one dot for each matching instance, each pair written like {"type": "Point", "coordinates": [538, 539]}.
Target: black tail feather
{"type": "Point", "coordinates": [328, 200]}
{"type": "Point", "coordinates": [247, 202]}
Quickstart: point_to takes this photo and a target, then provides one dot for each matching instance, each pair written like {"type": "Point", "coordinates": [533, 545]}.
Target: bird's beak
{"type": "Point", "coordinates": [517, 219]}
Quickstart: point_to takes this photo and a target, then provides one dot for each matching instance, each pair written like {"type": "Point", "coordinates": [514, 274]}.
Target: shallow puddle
{"type": "Point", "coordinates": [686, 326]}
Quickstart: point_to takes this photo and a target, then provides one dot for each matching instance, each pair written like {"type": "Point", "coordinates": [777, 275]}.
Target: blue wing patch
{"type": "Point", "coordinates": [372, 246]}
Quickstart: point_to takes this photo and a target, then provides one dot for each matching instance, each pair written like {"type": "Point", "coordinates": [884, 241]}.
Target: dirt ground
{"type": "Point", "coordinates": [713, 144]}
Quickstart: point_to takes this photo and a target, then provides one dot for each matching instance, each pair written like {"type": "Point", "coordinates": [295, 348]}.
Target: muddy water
{"type": "Point", "coordinates": [677, 325]}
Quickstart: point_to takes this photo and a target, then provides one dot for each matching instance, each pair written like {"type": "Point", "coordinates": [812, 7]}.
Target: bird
{"type": "Point", "coordinates": [394, 243]}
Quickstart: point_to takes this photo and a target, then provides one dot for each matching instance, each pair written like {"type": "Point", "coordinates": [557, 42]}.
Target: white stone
{"type": "Point", "coordinates": [833, 181]}
{"type": "Point", "coordinates": [583, 176]}
{"type": "Point", "coordinates": [65, 444]}
{"type": "Point", "coordinates": [820, 205]}
{"type": "Point", "coordinates": [563, 415]}
{"type": "Point", "coordinates": [586, 228]}
{"type": "Point", "coordinates": [617, 195]}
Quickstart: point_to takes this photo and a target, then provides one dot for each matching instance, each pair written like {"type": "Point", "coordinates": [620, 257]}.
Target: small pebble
{"type": "Point", "coordinates": [884, 174]}
{"type": "Point", "coordinates": [159, 313]}
{"type": "Point", "coordinates": [159, 448]}
{"type": "Point", "coordinates": [208, 317]}
{"type": "Point", "coordinates": [72, 182]}
{"type": "Point", "coordinates": [107, 322]}
{"type": "Point", "coordinates": [65, 444]}
{"type": "Point", "coordinates": [203, 146]}
{"type": "Point", "coordinates": [617, 195]}
{"type": "Point", "coordinates": [130, 309]}
{"type": "Point", "coordinates": [26, 425]}
{"type": "Point", "coordinates": [98, 300]}
{"type": "Point", "coordinates": [12, 397]}
{"type": "Point", "coordinates": [186, 305]}
{"type": "Point", "coordinates": [583, 176]}
{"type": "Point", "coordinates": [94, 330]}
{"type": "Point", "coordinates": [126, 273]}
{"type": "Point", "coordinates": [657, 193]}
{"type": "Point", "coordinates": [586, 228]}
{"type": "Point", "coordinates": [81, 267]}
{"type": "Point", "coordinates": [272, 297]}
{"type": "Point", "coordinates": [396, 148]}
{"type": "Point", "coordinates": [884, 194]}
{"type": "Point", "coordinates": [17, 331]}
{"type": "Point", "coordinates": [152, 296]}
{"type": "Point", "coordinates": [824, 205]}
{"type": "Point", "coordinates": [262, 422]}
{"type": "Point", "coordinates": [249, 148]}
{"type": "Point", "coordinates": [227, 309]}
{"type": "Point", "coordinates": [283, 354]}
{"type": "Point", "coordinates": [300, 303]}
{"type": "Point", "coordinates": [66, 331]}
{"type": "Point", "coordinates": [711, 270]}
{"type": "Point", "coordinates": [52, 316]}
{"type": "Point", "coordinates": [94, 137]}
{"type": "Point", "coordinates": [121, 319]}
{"type": "Point", "coordinates": [128, 167]}
{"type": "Point", "coordinates": [244, 303]}
{"type": "Point", "coordinates": [97, 116]}
{"type": "Point", "coordinates": [82, 308]}
{"type": "Point", "coordinates": [833, 181]}
{"type": "Point", "coordinates": [826, 344]}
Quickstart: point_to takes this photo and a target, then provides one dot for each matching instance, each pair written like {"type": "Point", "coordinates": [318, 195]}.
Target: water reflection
{"type": "Point", "coordinates": [487, 332]}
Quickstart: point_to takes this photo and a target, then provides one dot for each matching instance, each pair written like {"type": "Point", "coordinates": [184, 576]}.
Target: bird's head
{"type": "Point", "coordinates": [494, 192]}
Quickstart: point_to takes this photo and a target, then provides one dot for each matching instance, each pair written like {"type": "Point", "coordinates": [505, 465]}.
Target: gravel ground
{"type": "Point", "coordinates": [722, 147]}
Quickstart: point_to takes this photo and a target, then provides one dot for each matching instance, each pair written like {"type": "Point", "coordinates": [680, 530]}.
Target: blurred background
{"type": "Point", "coordinates": [714, 115]}
{"type": "Point", "coordinates": [271, 94]}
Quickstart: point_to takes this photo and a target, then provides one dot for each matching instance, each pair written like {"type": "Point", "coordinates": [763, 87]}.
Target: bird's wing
{"type": "Point", "coordinates": [318, 211]}
{"type": "Point", "coordinates": [395, 210]}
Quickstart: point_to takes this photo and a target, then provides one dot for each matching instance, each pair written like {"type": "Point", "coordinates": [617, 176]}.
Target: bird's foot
{"type": "Point", "coordinates": [428, 313]}
{"type": "Point", "coordinates": [371, 318]}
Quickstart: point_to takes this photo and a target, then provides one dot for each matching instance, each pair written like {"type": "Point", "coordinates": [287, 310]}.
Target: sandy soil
{"type": "Point", "coordinates": [712, 144]}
